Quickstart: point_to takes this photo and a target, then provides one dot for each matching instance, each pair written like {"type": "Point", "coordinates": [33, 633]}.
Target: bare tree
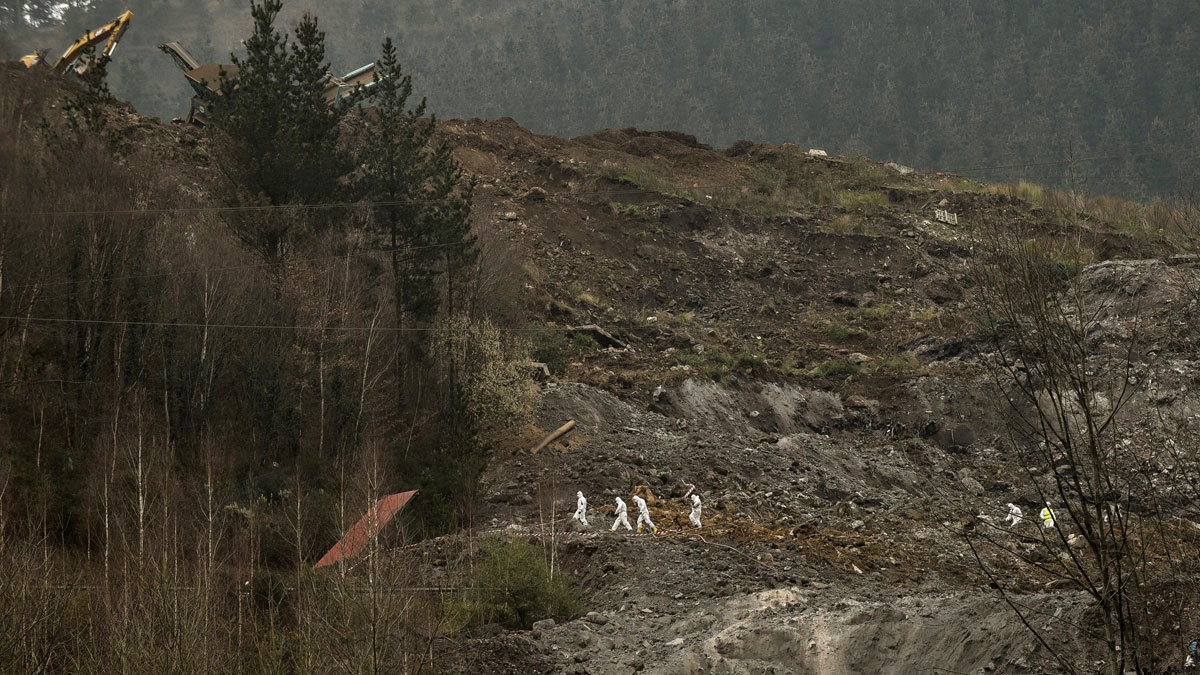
{"type": "Point", "coordinates": [1071, 365]}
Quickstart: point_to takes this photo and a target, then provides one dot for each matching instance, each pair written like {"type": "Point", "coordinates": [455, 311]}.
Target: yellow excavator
{"type": "Point", "coordinates": [112, 31]}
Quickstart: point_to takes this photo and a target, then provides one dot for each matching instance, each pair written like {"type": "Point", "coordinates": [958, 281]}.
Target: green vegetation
{"type": "Point", "coordinates": [834, 368]}
{"type": "Point", "coordinates": [895, 96]}
{"type": "Point", "coordinates": [898, 366]}
{"type": "Point", "coordinates": [556, 349]}
{"type": "Point", "coordinates": [582, 343]}
{"type": "Point", "coordinates": [586, 298]}
{"type": "Point", "coordinates": [553, 348]}
{"type": "Point", "coordinates": [851, 199]}
{"type": "Point", "coordinates": [841, 333]}
{"type": "Point", "coordinates": [515, 588]}
{"type": "Point", "coordinates": [765, 179]}
{"type": "Point", "coordinates": [642, 177]}
{"type": "Point", "coordinates": [646, 212]}
{"type": "Point", "coordinates": [715, 363]}
{"type": "Point", "coordinates": [1159, 224]}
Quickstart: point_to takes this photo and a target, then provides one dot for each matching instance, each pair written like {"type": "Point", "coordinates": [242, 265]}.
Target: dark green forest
{"type": "Point", "coordinates": [1093, 95]}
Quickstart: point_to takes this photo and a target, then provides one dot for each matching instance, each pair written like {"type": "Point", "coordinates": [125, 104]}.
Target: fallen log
{"type": "Point", "coordinates": [554, 436]}
{"type": "Point", "coordinates": [601, 336]}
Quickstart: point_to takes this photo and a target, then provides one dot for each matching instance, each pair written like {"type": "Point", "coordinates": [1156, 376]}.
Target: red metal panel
{"type": "Point", "coordinates": [367, 527]}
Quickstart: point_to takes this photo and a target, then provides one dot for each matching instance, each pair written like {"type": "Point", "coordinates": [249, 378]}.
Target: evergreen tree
{"type": "Point", "coordinates": [394, 163]}
{"type": "Point", "coordinates": [281, 136]}
{"type": "Point", "coordinates": [423, 206]}
{"type": "Point", "coordinates": [421, 203]}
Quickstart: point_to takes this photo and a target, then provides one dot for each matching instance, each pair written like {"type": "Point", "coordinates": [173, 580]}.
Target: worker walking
{"type": "Point", "coordinates": [1014, 515]}
{"type": "Point", "coordinates": [580, 509]}
{"type": "Point", "coordinates": [694, 516]}
{"type": "Point", "coordinates": [643, 514]}
{"type": "Point", "coordinates": [622, 519]}
{"type": "Point", "coordinates": [1047, 517]}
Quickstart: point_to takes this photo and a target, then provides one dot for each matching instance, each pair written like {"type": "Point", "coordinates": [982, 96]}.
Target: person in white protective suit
{"type": "Point", "coordinates": [1014, 515]}
{"type": "Point", "coordinates": [580, 509]}
{"type": "Point", "coordinates": [643, 514]}
{"type": "Point", "coordinates": [694, 516]}
{"type": "Point", "coordinates": [1047, 517]}
{"type": "Point", "coordinates": [622, 519]}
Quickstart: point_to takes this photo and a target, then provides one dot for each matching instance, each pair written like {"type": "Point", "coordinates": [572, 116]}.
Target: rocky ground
{"type": "Point", "coordinates": [836, 498]}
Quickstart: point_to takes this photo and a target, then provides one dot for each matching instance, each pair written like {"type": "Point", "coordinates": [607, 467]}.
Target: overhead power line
{"type": "Point", "coordinates": [249, 326]}
{"type": "Point", "coordinates": [339, 205]}
{"type": "Point", "coordinates": [231, 268]}
{"type": "Point", "coordinates": [183, 210]}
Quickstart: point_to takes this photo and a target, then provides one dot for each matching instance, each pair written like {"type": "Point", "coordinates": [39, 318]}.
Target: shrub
{"type": "Point", "coordinates": [766, 179]}
{"type": "Point", "coordinates": [866, 174]}
{"type": "Point", "coordinates": [553, 348]}
{"type": "Point", "coordinates": [840, 332]}
{"type": "Point", "coordinates": [495, 387]}
{"type": "Point", "coordinates": [514, 587]}
{"type": "Point", "coordinates": [748, 360]}
{"type": "Point", "coordinates": [833, 368]}
{"type": "Point", "coordinates": [582, 343]}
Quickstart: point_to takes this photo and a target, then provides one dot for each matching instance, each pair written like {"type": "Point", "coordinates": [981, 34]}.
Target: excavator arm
{"type": "Point", "coordinates": [111, 31]}
{"type": "Point", "coordinates": [183, 58]}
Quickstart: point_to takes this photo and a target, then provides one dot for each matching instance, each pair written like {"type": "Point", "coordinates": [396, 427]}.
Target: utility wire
{"type": "Point", "coordinates": [372, 252]}
{"type": "Point", "coordinates": [342, 205]}
{"type": "Point", "coordinates": [230, 268]}
{"type": "Point", "coordinates": [495, 200]}
{"type": "Point", "coordinates": [246, 326]}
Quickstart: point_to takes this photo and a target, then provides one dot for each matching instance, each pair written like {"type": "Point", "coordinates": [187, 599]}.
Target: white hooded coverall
{"type": "Point", "coordinates": [622, 519]}
{"type": "Point", "coordinates": [580, 509]}
{"type": "Point", "coordinates": [643, 514]}
{"type": "Point", "coordinates": [1014, 515]}
{"type": "Point", "coordinates": [694, 516]}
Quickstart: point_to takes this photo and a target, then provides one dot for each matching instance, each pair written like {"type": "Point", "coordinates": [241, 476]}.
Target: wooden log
{"type": "Point", "coordinates": [601, 336]}
{"type": "Point", "coordinates": [555, 435]}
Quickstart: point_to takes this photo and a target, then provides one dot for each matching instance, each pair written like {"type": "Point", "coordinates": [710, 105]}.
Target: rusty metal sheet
{"type": "Point", "coordinates": [368, 526]}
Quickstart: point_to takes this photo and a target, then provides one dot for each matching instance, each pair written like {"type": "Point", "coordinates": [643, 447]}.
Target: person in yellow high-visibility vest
{"type": "Point", "coordinates": [1047, 517]}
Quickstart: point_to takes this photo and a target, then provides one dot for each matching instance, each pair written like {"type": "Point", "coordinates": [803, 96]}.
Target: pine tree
{"type": "Point", "coordinates": [281, 137]}
{"type": "Point", "coordinates": [394, 160]}
{"type": "Point", "coordinates": [423, 206]}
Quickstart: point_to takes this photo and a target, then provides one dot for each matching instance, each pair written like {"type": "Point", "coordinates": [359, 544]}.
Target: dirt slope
{"type": "Point", "coordinates": [796, 347]}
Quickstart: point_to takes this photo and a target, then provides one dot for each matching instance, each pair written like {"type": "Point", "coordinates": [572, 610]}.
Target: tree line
{"type": "Point", "coordinates": [997, 90]}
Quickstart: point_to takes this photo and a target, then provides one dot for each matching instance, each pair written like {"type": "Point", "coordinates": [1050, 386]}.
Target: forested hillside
{"type": "Point", "coordinates": [998, 91]}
